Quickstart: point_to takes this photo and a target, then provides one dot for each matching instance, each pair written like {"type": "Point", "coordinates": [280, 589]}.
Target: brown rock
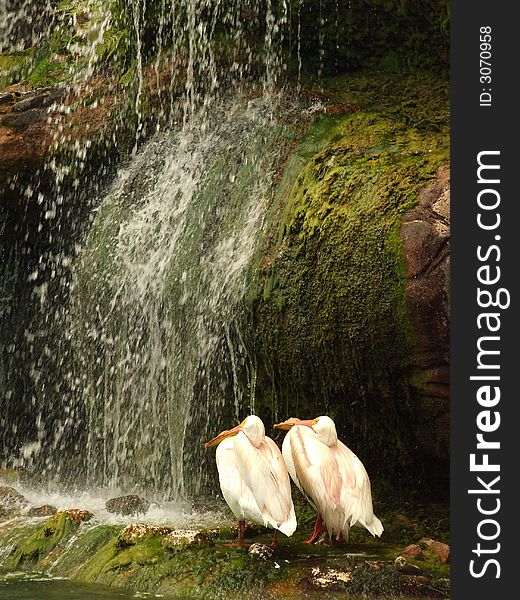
{"type": "Point", "coordinates": [77, 514]}
{"type": "Point", "coordinates": [131, 534]}
{"type": "Point", "coordinates": [9, 512]}
{"type": "Point", "coordinates": [42, 511]}
{"type": "Point", "coordinates": [11, 497]}
{"type": "Point", "coordinates": [180, 539]}
{"type": "Point", "coordinates": [127, 505]}
{"type": "Point", "coordinates": [439, 550]}
{"type": "Point", "coordinates": [413, 551]}
{"type": "Point", "coordinates": [260, 551]}
{"type": "Point", "coordinates": [425, 235]}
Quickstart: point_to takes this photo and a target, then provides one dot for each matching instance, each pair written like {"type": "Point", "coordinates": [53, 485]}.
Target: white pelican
{"type": "Point", "coordinates": [330, 475]}
{"type": "Point", "coordinates": [254, 479]}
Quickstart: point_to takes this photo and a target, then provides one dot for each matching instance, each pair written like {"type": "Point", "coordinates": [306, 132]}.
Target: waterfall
{"type": "Point", "coordinates": [157, 312]}
{"type": "Point", "coordinates": [138, 346]}
{"type": "Point", "coordinates": [139, 349]}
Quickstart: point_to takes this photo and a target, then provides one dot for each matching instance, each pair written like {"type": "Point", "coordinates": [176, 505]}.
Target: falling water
{"type": "Point", "coordinates": [23, 23]}
{"type": "Point", "coordinates": [140, 347]}
{"type": "Point", "coordinates": [157, 303]}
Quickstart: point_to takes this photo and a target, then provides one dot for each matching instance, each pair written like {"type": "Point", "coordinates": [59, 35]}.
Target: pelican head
{"type": "Point", "coordinates": [324, 428]}
{"type": "Point", "coordinates": [251, 426]}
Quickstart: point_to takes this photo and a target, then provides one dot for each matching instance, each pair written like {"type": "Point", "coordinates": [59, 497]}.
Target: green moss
{"type": "Point", "coordinates": [36, 548]}
{"type": "Point", "coordinates": [74, 562]}
{"type": "Point", "coordinates": [332, 330]}
{"type": "Point", "coordinates": [97, 554]}
{"type": "Point", "coordinates": [14, 67]}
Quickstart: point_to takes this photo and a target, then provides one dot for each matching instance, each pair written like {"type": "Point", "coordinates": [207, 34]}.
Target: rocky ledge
{"type": "Point", "coordinates": [198, 563]}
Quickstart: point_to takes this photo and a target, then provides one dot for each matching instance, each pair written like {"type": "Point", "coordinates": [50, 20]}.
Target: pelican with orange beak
{"type": "Point", "coordinates": [330, 475]}
{"type": "Point", "coordinates": [254, 479]}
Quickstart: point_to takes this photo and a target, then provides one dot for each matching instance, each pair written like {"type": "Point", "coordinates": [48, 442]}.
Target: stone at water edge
{"type": "Point", "coordinates": [440, 551]}
{"type": "Point", "coordinates": [261, 551]}
{"type": "Point", "coordinates": [46, 510]}
{"type": "Point", "coordinates": [403, 566]}
{"type": "Point", "coordinates": [77, 514]}
{"type": "Point", "coordinates": [413, 551]}
{"type": "Point", "coordinates": [12, 502]}
{"type": "Point", "coordinates": [180, 539]}
{"type": "Point", "coordinates": [132, 534]}
{"type": "Point", "coordinates": [11, 497]}
{"type": "Point", "coordinates": [127, 505]}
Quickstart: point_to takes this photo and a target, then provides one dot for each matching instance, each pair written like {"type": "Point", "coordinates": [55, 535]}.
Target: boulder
{"type": "Point", "coordinates": [425, 237]}
{"type": "Point", "coordinates": [180, 539]}
{"type": "Point", "coordinates": [127, 505]}
{"type": "Point", "coordinates": [46, 510]}
{"type": "Point", "coordinates": [413, 551]}
{"type": "Point", "coordinates": [77, 515]}
{"type": "Point", "coordinates": [9, 496]}
{"type": "Point", "coordinates": [261, 551]}
{"type": "Point", "coordinates": [131, 534]}
{"type": "Point", "coordinates": [439, 551]}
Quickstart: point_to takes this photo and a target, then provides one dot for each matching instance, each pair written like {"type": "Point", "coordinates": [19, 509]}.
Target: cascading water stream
{"type": "Point", "coordinates": [157, 311]}
{"type": "Point", "coordinates": [140, 346]}
{"type": "Point", "coordinates": [145, 352]}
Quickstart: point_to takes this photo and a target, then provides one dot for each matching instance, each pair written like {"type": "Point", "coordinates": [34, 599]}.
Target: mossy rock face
{"type": "Point", "coordinates": [38, 547]}
{"type": "Point", "coordinates": [332, 332]}
{"type": "Point", "coordinates": [207, 568]}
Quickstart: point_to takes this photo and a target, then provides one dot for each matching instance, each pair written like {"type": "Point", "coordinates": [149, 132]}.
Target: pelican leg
{"type": "Point", "coordinates": [274, 543]}
{"type": "Point", "coordinates": [318, 528]}
{"type": "Point", "coordinates": [240, 539]}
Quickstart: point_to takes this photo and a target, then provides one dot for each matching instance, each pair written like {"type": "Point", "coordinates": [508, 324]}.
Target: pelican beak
{"type": "Point", "coordinates": [294, 421]}
{"type": "Point", "coordinates": [222, 436]}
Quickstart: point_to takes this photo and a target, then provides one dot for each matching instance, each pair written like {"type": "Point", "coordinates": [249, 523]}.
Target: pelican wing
{"type": "Point", "coordinates": [356, 494]}
{"type": "Point", "coordinates": [318, 473]}
{"type": "Point", "coordinates": [236, 492]}
{"type": "Point", "coordinates": [264, 472]}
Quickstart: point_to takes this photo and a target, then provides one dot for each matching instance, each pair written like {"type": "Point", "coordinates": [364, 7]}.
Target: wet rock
{"type": "Point", "coordinates": [413, 551]}
{"type": "Point", "coordinates": [131, 534]}
{"type": "Point", "coordinates": [37, 99]}
{"type": "Point", "coordinates": [127, 505]}
{"type": "Point", "coordinates": [9, 496]}
{"type": "Point", "coordinates": [9, 512]}
{"type": "Point", "coordinates": [425, 236]}
{"type": "Point", "coordinates": [403, 566]}
{"type": "Point", "coordinates": [329, 578]}
{"type": "Point", "coordinates": [180, 539]}
{"type": "Point", "coordinates": [77, 515]}
{"type": "Point", "coordinates": [439, 550]}
{"type": "Point", "coordinates": [261, 551]}
{"type": "Point", "coordinates": [46, 510]}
